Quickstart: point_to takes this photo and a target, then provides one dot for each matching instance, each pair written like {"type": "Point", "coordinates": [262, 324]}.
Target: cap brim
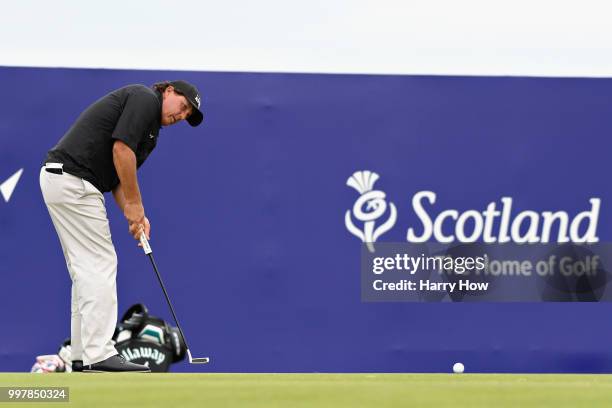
{"type": "Point", "coordinates": [195, 118]}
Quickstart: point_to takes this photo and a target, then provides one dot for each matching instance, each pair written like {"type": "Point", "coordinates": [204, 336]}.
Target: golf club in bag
{"type": "Point", "coordinates": [148, 251]}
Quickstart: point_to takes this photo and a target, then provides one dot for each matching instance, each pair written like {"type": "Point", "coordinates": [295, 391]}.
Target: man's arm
{"type": "Point", "coordinates": [119, 197]}
{"type": "Point", "coordinates": [127, 193]}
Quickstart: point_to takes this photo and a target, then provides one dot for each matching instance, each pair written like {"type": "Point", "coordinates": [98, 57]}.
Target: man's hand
{"type": "Point", "coordinates": [134, 213]}
{"type": "Point", "coordinates": [146, 228]}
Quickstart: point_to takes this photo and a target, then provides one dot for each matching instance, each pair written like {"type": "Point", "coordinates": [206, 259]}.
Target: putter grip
{"type": "Point", "coordinates": [145, 244]}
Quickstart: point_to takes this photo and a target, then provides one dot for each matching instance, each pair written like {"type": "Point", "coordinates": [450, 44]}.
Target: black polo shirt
{"type": "Point", "coordinates": [131, 114]}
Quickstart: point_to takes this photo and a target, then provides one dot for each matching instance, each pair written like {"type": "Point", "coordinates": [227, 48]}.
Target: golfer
{"type": "Point", "coordinates": [100, 153]}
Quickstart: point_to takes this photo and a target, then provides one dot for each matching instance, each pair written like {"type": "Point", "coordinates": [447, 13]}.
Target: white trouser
{"type": "Point", "coordinates": [79, 216]}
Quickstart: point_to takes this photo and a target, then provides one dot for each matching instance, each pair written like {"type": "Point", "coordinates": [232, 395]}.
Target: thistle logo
{"type": "Point", "coordinates": [375, 207]}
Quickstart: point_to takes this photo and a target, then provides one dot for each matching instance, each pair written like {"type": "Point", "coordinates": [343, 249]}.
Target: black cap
{"type": "Point", "coordinates": [191, 93]}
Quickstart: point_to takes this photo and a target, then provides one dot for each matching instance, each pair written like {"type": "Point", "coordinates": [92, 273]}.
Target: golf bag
{"type": "Point", "coordinates": [149, 340]}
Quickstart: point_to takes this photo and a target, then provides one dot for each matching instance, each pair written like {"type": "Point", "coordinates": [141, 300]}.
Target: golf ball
{"type": "Point", "coordinates": [458, 368]}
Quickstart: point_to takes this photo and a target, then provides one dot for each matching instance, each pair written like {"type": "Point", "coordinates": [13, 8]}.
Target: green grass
{"type": "Point", "coordinates": [322, 390]}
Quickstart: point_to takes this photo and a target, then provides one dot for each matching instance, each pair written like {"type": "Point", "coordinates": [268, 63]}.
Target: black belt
{"type": "Point", "coordinates": [54, 170]}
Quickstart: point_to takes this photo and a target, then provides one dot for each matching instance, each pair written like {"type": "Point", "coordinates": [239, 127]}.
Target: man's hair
{"type": "Point", "coordinates": [161, 86]}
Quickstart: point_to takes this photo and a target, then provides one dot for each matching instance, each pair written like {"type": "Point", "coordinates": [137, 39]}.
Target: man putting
{"type": "Point", "coordinates": [100, 153]}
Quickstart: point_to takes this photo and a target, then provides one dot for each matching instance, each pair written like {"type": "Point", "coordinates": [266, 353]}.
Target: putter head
{"type": "Point", "coordinates": [200, 360]}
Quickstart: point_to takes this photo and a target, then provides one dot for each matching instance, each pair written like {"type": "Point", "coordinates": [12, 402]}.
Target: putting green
{"type": "Point", "coordinates": [321, 390]}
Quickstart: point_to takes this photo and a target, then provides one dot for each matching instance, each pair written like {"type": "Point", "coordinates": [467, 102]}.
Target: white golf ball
{"type": "Point", "coordinates": [458, 368]}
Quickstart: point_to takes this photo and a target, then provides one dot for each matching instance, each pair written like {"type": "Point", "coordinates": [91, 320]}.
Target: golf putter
{"type": "Point", "coordinates": [149, 252]}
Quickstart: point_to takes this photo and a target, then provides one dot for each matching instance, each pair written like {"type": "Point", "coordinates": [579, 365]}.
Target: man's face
{"type": "Point", "coordinates": [175, 107]}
